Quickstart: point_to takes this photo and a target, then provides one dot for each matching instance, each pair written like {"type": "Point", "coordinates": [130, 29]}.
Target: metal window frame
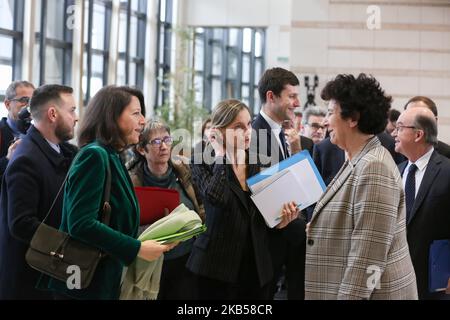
{"type": "Point", "coordinates": [90, 52]}
{"type": "Point", "coordinates": [228, 49]}
{"type": "Point", "coordinates": [163, 64]}
{"type": "Point", "coordinates": [139, 59]}
{"type": "Point", "coordinates": [66, 44]}
{"type": "Point", "coordinates": [16, 34]}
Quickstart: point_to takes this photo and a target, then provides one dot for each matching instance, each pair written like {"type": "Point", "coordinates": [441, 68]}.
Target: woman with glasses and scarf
{"type": "Point", "coordinates": [154, 167]}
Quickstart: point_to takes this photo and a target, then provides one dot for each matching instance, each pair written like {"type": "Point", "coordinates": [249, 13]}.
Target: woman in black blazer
{"type": "Point", "coordinates": [231, 259]}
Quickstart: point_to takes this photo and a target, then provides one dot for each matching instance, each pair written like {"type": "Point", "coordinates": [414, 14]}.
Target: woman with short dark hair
{"type": "Point", "coordinates": [356, 247]}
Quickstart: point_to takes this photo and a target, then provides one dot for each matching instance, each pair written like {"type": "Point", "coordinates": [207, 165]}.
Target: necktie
{"type": "Point", "coordinates": [410, 190]}
{"type": "Point", "coordinates": [284, 144]}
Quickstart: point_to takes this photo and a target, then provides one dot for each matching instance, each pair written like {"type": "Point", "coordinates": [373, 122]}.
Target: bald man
{"type": "Point", "coordinates": [426, 181]}
{"type": "Point", "coordinates": [425, 102]}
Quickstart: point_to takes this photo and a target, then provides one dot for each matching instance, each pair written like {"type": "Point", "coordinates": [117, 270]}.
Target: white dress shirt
{"type": "Point", "coordinates": [276, 129]}
{"type": "Point", "coordinates": [421, 164]}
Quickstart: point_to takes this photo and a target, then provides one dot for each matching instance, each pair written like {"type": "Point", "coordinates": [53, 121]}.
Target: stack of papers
{"type": "Point", "coordinates": [294, 179]}
{"type": "Point", "coordinates": [180, 225]}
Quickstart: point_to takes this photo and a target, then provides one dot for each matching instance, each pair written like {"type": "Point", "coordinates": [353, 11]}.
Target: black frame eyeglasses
{"type": "Point", "coordinates": [24, 100]}
{"type": "Point", "coordinates": [401, 127]}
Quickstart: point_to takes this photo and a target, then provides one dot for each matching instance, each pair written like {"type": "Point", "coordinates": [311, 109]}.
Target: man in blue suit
{"type": "Point", "coordinates": [426, 181]}
{"type": "Point", "coordinates": [278, 90]}
{"type": "Point", "coordinates": [30, 184]}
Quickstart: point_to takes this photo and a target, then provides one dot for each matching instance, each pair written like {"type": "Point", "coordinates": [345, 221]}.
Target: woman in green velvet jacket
{"type": "Point", "coordinates": [113, 121]}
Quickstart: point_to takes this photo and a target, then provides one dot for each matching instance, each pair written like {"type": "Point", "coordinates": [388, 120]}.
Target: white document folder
{"type": "Point", "coordinates": [294, 179]}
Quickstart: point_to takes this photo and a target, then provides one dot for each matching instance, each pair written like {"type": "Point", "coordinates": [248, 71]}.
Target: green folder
{"type": "Point", "coordinates": [180, 225]}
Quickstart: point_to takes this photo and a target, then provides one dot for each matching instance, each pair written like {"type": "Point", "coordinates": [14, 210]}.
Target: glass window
{"type": "Point", "coordinates": [96, 51]}
{"type": "Point", "coordinates": [217, 60]}
{"type": "Point", "coordinates": [216, 92]}
{"type": "Point", "coordinates": [246, 69]}
{"type": "Point", "coordinates": [132, 28]}
{"type": "Point", "coordinates": [229, 64]}
{"type": "Point", "coordinates": [11, 26]}
{"type": "Point", "coordinates": [233, 37]}
{"type": "Point", "coordinates": [55, 44]}
{"type": "Point", "coordinates": [247, 40]}
{"type": "Point", "coordinates": [7, 14]}
{"type": "Point", "coordinates": [163, 60]}
{"type": "Point", "coordinates": [6, 43]}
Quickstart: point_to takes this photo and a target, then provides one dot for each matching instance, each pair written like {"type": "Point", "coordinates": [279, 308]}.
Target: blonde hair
{"type": "Point", "coordinates": [225, 112]}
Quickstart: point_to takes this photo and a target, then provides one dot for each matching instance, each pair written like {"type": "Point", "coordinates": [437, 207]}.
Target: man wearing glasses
{"type": "Point", "coordinates": [426, 181]}
{"type": "Point", "coordinates": [17, 97]}
{"type": "Point", "coordinates": [313, 127]}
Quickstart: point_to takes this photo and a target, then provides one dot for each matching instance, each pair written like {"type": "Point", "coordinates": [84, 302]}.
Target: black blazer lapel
{"type": "Point", "coordinates": [431, 172]}
{"type": "Point", "coordinates": [235, 188]}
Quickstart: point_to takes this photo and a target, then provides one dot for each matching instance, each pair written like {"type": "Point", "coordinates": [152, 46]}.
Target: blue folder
{"type": "Point", "coordinates": [439, 265]}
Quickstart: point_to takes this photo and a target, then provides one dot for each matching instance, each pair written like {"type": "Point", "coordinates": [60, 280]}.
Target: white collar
{"type": "Point", "coordinates": [273, 125]}
{"type": "Point", "coordinates": [54, 146]}
{"type": "Point", "coordinates": [422, 162]}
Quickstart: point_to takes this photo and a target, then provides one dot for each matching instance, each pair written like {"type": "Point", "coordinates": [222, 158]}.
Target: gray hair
{"type": "Point", "coordinates": [313, 111]}
{"type": "Point", "coordinates": [150, 127]}
{"type": "Point", "coordinates": [11, 90]}
{"type": "Point", "coordinates": [429, 127]}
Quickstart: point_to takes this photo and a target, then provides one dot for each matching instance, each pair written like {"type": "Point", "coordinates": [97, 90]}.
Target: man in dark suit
{"type": "Point", "coordinates": [30, 185]}
{"type": "Point", "coordinates": [313, 123]}
{"type": "Point", "coordinates": [426, 180]}
{"type": "Point", "coordinates": [17, 97]}
{"type": "Point", "coordinates": [278, 90]}
{"type": "Point", "coordinates": [421, 101]}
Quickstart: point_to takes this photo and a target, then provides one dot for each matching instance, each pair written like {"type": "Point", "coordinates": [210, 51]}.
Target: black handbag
{"type": "Point", "coordinates": [56, 254]}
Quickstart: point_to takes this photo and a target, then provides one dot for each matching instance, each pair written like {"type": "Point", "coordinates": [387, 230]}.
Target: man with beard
{"type": "Point", "coordinates": [31, 182]}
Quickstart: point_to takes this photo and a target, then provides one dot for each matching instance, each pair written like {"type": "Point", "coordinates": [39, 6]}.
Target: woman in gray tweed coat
{"type": "Point", "coordinates": [356, 247]}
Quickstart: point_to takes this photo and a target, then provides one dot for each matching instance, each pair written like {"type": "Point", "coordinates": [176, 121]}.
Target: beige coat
{"type": "Point", "coordinates": [357, 233]}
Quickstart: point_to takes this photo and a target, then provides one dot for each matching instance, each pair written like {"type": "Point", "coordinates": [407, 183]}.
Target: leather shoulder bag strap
{"type": "Point", "coordinates": [106, 208]}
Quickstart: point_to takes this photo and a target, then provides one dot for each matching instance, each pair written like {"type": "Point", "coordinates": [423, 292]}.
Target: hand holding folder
{"type": "Point", "coordinates": [294, 179]}
{"type": "Point", "coordinates": [180, 225]}
{"type": "Point", "coordinates": [153, 201]}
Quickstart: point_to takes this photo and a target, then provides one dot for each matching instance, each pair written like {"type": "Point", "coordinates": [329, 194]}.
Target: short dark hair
{"type": "Point", "coordinates": [427, 101]}
{"type": "Point", "coordinates": [102, 113]}
{"type": "Point", "coordinates": [429, 127]}
{"type": "Point", "coordinates": [45, 94]}
{"type": "Point", "coordinates": [361, 99]}
{"type": "Point", "coordinates": [274, 80]}
{"type": "Point", "coordinates": [11, 90]}
{"type": "Point", "coordinates": [393, 115]}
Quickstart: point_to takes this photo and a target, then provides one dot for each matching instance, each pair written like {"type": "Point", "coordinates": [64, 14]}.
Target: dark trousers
{"type": "Point", "coordinates": [288, 248]}
{"type": "Point", "coordinates": [177, 282]}
{"type": "Point", "coordinates": [247, 286]}
{"type": "Point", "coordinates": [211, 289]}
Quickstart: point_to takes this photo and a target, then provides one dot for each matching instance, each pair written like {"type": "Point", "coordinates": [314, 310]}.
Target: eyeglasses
{"type": "Point", "coordinates": [159, 141]}
{"type": "Point", "coordinates": [400, 128]}
{"type": "Point", "coordinates": [24, 100]}
{"type": "Point", "coordinates": [316, 125]}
